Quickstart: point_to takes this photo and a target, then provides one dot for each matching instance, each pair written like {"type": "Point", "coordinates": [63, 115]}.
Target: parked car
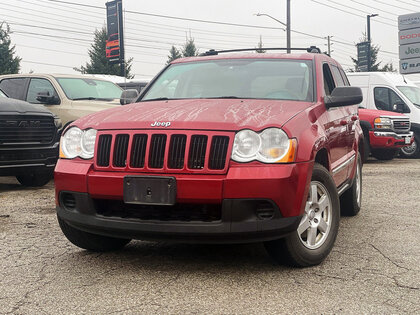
{"type": "Point", "coordinates": [29, 138]}
{"type": "Point", "coordinates": [133, 84]}
{"type": "Point", "coordinates": [392, 92]}
{"type": "Point", "coordinates": [222, 148]}
{"type": "Point", "coordinates": [68, 96]}
{"type": "Point", "coordinates": [385, 133]}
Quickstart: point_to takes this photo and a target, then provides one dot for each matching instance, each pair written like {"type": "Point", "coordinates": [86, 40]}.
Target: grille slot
{"type": "Point", "coordinates": [157, 151]}
{"type": "Point", "coordinates": [138, 151]}
{"type": "Point", "coordinates": [177, 151]}
{"type": "Point", "coordinates": [197, 154]}
{"type": "Point", "coordinates": [68, 201]}
{"type": "Point", "coordinates": [104, 150]}
{"type": "Point", "coordinates": [218, 151]}
{"type": "Point", "coordinates": [120, 150]}
{"type": "Point", "coordinates": [26, 129]}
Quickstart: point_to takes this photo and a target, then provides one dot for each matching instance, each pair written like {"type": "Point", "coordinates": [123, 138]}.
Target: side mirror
{"type": "Point", "coordinates": [45, 97]}
{"type": "Point", "coordinates": [344, 96]}
{"type": "Point", "coordinates": [128, 96]}
{"type": "Point", "coordinates": [401, 108]}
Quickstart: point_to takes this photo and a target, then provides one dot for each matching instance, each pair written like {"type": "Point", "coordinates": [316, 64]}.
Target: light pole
{"type": "Point", "coordinates": [368, 38]}
{"type": "Point", "coordinates": [287, 24]}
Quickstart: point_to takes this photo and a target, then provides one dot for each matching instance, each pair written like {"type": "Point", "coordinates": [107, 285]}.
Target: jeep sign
{"type": "Point", "coordinates": [409, 42]}
{"type": "Point", "coordinates": [410, 51]}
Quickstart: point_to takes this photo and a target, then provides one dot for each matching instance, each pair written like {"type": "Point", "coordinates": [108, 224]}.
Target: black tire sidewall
{"type": "Point", "coordinates": [302, 255]}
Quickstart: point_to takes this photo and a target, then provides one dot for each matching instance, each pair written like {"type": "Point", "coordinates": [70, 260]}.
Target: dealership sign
{"type": "Point", "coordinates": [409, 43]}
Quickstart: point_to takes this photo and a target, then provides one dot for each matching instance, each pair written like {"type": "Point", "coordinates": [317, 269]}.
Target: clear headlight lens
{"type": "Point", "coordinates": [275, 145]}
{"type": "Point", "coordinates": [269, 146]}
{"type": "Point", "coordinates": [78, 143]}
{"type": "Point", "coordinates": [246, 145]}
{"type": "Point", "coordinates": [383, 123]}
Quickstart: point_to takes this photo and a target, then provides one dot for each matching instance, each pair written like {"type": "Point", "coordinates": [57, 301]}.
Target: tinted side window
{"type": "Point", "coordinates": [329, 84]}
{"type": "Point", "coordinates": [14, 87]}
{"type": "Point", "coordinates": [337, 76]}
{"type": "Point", "coordinates": [39, 85]}
{"type": "Point", "coordinates": [385, 98]}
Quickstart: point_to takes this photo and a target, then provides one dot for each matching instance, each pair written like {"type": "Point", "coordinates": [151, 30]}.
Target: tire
{"type": "Point", "coordinates": [366, 146]}
{"type": "Point", "coordinates": [89, 241]}
{"type": "Point", "coordinates": [384, 154]}
{"type": "Point", "coordinates": [35, 178]}
{"type": "Point", "coordinates": [412, 151]}
{"type": "Point", "coordinates": [351, 199]}
{"type": "Point", "coordinates": [299, 249]}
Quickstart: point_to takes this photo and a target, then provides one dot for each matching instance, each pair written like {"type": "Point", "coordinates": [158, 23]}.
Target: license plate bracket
{"type": "Point", "coordinates": [150, 190]}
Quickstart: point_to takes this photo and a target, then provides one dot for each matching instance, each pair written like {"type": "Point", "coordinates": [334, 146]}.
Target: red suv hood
{"type": "Point", "coordinates": [209, 114]}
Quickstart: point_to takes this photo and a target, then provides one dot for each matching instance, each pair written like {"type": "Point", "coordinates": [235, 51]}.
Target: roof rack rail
{"type": "Point", "coordinates": [212, 52]}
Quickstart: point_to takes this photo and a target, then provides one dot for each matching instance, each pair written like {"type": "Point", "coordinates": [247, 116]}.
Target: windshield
{"type": "Point", "coordinates": [236, 78]}
{"type": "Point", "coordinates": [79, 89]}
{"type": "Point", "coordinates": [412, 93]}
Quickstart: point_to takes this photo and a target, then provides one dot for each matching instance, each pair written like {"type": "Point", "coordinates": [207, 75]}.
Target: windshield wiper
{"type": "Point", "coordinates": [90, 98]}
{"type": "Point", "coordinates": [156, 99]}
{"type": "Point", "coordinates": [228, 96]}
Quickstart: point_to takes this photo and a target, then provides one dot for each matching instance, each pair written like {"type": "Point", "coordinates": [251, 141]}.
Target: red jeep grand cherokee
{"type": "Point", "coordinates": [219, 148]}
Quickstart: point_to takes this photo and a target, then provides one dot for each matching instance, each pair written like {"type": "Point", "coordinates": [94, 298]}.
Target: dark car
{"type": "Point", "coordinates": [29, 141]}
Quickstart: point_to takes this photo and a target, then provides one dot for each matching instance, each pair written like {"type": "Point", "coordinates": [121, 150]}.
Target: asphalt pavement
{"type": "Point", "coordinates": [374, 266]}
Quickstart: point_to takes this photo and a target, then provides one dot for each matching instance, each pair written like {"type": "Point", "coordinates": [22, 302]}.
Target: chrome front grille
{"type": "Point", "coordinates": [401, 125]}
{"type": "Point", "coordinates": [172, 151]}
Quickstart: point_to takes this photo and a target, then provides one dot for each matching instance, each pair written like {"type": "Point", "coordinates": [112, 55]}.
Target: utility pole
{"type": "Point", "coordinates": [368, 38]}
{"type": "Point", "coordinates": [288, 27]}
{"type": "Point", "coordinates": [329, 45]}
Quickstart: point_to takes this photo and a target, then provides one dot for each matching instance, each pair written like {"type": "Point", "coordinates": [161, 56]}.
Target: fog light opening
{"type": "Point", "coordinates": [264, 211]}
{"type": "Point", "coordinates": [68, 201]}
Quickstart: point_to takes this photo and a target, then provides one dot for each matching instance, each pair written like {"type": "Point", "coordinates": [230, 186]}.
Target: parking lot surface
{"type": "Point", "coordinates": [373, 267]}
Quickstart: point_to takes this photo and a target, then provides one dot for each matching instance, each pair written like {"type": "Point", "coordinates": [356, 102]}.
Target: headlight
{"type": "Point", "coordinates": [269, 146]}
{"type": "Point", "coordinates": [383, 123]}
{"type": "Point", "coordinates": [78, 143]}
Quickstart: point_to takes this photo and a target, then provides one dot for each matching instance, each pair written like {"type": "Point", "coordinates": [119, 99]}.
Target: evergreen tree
{"type": "Point", "coordinates": [374, 64]}
{"type": "Point", "coordinates": [8, 62]}
{"type": "Point", "coordinates": [98, 62]}
{"type": "Point", "coordinates": [173, 54]}
{"type": "Point", "coordinates": [260, 46]}
{"type": "Point", "coordinates": [189, 49]}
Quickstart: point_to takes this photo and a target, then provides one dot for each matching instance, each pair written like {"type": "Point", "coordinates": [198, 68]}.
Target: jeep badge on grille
{"type": "Point", "coordinates": [161, 124]}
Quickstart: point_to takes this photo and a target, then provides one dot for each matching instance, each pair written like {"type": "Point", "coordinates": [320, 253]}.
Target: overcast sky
{"type": "Point", "coordinates": [54, 37]}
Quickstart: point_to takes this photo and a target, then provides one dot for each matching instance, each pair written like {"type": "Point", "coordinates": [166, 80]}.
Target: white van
{"type": "Point", "coordinates": [392, 92]}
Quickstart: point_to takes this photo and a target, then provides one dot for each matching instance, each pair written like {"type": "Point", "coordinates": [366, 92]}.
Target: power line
{"type": "Point", "coordinates": [349, 7]}
{"type": "Point", "coordinates": [47, 64]}
{"type": "Point", "coordinates": [375, 8]}
{"type": "Point", "coordinates": [361, 16]}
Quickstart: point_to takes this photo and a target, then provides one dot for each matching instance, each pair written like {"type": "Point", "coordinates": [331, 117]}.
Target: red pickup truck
{"type": "Point", "coordinates": [220, 148]}
{"type": "Point", "coordinates": [385, 133]}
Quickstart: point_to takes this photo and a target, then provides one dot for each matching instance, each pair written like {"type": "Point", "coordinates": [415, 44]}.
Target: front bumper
{"type": "Point", "coordinates": [17, 160]}
{"type": "Point", "coordinates": [237, 194]}
{"type": "Point", "coordinates": [239, 223]}
{"type": "Point", "coordinates": [389, 139]}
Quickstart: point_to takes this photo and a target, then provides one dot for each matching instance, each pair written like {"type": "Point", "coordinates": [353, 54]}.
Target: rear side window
{"type": "Point", "coordinates": [39, 85]}
{"type": "Point", "coordinates": [14, 87]}
{"type": "Point", "coordinates": [385, 98]}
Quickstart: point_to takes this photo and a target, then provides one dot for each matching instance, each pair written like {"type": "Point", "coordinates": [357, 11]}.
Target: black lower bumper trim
{"type": "Point", "coordinates": [239, 223]}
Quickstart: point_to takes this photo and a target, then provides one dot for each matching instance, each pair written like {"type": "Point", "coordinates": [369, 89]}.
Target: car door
{"type": "Point", "coordinates": [336, 129]}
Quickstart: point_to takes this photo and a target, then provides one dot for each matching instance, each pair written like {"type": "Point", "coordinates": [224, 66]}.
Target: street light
{"type": "Point", "coordinates": [368, 38]}
{"type": "Point", "coordinates": [282, 23]}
